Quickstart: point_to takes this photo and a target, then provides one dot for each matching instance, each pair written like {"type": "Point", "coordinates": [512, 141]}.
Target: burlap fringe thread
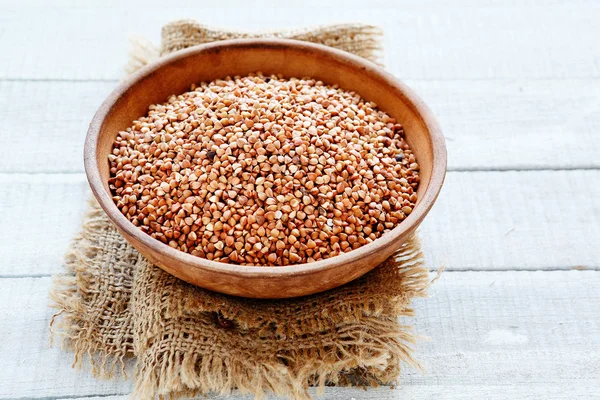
{"type": "Point", "coordinates": [114, 305]}
{"type": "Point", "coordinates": [362, 40]}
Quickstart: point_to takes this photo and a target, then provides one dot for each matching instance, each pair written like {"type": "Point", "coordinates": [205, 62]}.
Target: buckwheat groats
{"type": "Point", "coordinates": [262, 170]}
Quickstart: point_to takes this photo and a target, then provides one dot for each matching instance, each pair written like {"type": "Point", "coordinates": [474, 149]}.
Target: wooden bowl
{"type": "Point", "coordinates": [175, 74]}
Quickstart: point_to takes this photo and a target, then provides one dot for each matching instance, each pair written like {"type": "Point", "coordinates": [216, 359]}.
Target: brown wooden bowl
{"type": "Point", "coordinates": [175, 74]}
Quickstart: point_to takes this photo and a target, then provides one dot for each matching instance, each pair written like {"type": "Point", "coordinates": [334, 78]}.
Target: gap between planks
{"type": "Point", "coordinates": [403, 78]}
{"type": "Point", "coordinates": [453, 392]}
{"type": "Point", "coordinates": [431, 271]}
{"type": "Point", "coordinates": [449, 169]}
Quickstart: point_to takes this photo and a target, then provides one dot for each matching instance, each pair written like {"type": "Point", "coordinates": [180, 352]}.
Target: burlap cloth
{"type": "Point", "coordinates": [114, 305]}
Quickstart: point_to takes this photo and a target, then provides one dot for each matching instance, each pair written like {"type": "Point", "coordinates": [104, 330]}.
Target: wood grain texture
{"type": "Point", "coordinates": [481, 221]}
{"type": "Point", "coordinates": [51, 138]}
{"type": "Point", "coordinates": [516, 220]}
{"type": "Point", "coordinates": [517, 124]}
{"type": "Point", "coordinates": [39, 215]}
{"type": "Point", "coordinates": [487, 40]}
{"type": "Point", "coordinates": [544, 124]}
{"type": "Point", "coordinates": [530, 334]}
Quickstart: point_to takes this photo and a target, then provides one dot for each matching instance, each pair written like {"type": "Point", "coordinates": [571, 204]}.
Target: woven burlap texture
{"type": "Point", "coordinates": [114, 305]}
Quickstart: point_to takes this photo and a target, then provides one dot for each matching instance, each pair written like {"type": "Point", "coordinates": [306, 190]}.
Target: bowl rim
{"type": "Point", "coordinates": [436, 140]}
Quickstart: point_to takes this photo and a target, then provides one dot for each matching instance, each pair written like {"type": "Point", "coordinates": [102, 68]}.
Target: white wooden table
{"type": "Point", "coordinates": [516, 87]}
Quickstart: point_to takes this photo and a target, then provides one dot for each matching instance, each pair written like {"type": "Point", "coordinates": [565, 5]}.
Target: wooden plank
{"type": "Point", "coordinates": [488, 124]}
{"type": "Point", "coordinates": [39, 215]}
{"type": "Point", "coordinates": [424, 41]}
{"type": "Point", "coordinates": [37, 370]}
{"type": "Point", "coordinates": [521, 392]}
{"type": "Point", "coordinates": [58, 114]}
{"type": "Point", "coordinates": [517, 124]}
{"type": "Point", "coordinates": [516, 220]}
{"type": "Point", "coordinates": [530, 334]}
{"type": "Point", "coordinates": [482, 221]}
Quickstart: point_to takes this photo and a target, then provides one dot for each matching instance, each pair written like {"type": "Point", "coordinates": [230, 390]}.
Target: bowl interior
{"type": "Point", "coordinates": [222, 61]}
{"type": "Point", "coordinates": [176, 73]}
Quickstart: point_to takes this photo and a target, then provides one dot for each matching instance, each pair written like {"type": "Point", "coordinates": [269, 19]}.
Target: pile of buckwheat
{"type": "Point", "coordinates": [262, 170]}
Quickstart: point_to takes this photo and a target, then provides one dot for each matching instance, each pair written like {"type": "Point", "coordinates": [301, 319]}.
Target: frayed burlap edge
{"type": "Point", "coordinates": [360, 39]}
{"type": "Point", "coordinates": [374, 364]}
{"type": "Point", "coordinates": [367, 348]}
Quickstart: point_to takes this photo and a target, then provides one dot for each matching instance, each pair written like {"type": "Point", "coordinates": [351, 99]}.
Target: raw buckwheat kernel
{"type": "Point", "coordinates": [262, 170]}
